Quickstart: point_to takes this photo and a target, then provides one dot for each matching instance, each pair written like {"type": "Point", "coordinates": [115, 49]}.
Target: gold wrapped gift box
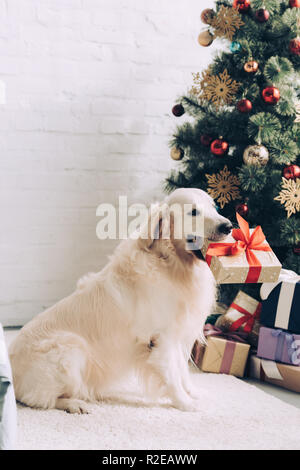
{"type": "Point", "coordinates": [282, 375]}
{"type": "Point", "coordinates": [235, 269]}
{"type": "Point", "coordinates": [243, 309]}
{"type": "Point", "coordinates": [244, 256]}
{"type": "Point", "coordinates": [221, 356]}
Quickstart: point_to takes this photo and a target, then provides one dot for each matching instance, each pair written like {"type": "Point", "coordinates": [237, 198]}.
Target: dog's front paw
{"type": "Point", "coordinates": [187, 405]}
{"type": "Point", "coordinates": [196, 393]}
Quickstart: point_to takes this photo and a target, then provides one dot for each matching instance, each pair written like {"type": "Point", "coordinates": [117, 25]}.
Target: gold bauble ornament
{"type": "Point", "coordinates": [251, 66]}
{"type": "Point", "coordinates": [205, 38]}
{"type": "Point", "coordinates": [257, 155]}
{"type": "Point", "coordinates": [177, 153]}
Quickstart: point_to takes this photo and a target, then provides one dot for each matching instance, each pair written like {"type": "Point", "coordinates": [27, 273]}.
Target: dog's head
{"type": "Point", "coordinates": [185, 218]}
{"type": "Point", "coordinates": [199, 211]}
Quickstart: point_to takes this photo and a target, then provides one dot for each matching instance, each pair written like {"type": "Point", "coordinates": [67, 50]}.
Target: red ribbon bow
{"type": "Point", "coordinates": [211, 330]}
{"type": "Point", "coordinates": [245, 243]}
{"type": "Point", "coordinates": [247, 318]}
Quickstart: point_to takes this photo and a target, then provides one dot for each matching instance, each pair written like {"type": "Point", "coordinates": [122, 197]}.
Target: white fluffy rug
{"type": "Point", "coordinates": [234, 415]}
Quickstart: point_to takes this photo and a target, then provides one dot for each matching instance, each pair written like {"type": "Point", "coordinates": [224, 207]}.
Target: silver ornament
{"type": "Point", "coordinates": [256, 155]}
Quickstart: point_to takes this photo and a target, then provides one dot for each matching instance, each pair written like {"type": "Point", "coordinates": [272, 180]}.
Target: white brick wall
{"type": "Point", "coordinates": [89, 89]}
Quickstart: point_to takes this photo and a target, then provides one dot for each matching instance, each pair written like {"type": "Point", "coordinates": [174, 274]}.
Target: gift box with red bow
{"type": "Point", "coordinates": [242, 315]}
{"type": "Point", "coordinates": [243, 257]}
{"type": "Point", "coordinates": [224, 353]}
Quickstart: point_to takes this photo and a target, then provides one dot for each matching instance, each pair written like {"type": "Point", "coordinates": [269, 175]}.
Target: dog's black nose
{"type": "Point", "coordinates": [225, 228]}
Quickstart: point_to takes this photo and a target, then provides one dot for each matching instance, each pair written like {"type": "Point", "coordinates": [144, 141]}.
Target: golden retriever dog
{"type": "Point", "coordinates": [141, 313]}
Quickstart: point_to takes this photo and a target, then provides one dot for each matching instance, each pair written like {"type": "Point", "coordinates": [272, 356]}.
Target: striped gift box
{"type": "Point", "coordinates": [281, 309]}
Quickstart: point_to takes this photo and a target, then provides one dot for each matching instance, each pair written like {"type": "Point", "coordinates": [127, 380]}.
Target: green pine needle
{"type": "Point", "coordinates": [283, 151]}
{"type": "Point", "coordinates": [277, 69]}
{"type": "Point", "coordinates": [262, 127]}
{"type": "Point", "coordinates": [290, 230]}
{"type": "Point", "coordinates": [286, 104]}
{"type": "Point", "coordinates": [292, 261]}
{"type": "Point", "coordinates": [272, 6]}
{"type": "Point", "coordinates": [295, 134]}
{"type": "Point", "coordinates": [253, 91]}
{"type": "Point", "coordinates": [252, 178]}
{"type": "Point", "coordinates": [290, 19]}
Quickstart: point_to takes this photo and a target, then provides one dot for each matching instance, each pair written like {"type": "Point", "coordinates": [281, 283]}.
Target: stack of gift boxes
{"type": "Point", "coordinates": [260, 339]}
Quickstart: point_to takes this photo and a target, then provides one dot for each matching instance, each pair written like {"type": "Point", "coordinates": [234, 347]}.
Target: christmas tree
{"type": "Point", "coordinates": [243, 144]}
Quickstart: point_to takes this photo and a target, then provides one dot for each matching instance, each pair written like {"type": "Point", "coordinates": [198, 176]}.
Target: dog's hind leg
{"type": "Point", "coordinates": [51, 373]}
{"type": "Point", "coordinates": [71, 405]}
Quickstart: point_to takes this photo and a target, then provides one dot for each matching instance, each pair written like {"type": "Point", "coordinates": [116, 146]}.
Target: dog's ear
{"type": "Point", "coordinates": [159, 226]}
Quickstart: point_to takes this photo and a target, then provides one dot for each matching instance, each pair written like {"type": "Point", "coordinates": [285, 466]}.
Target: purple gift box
{"type": "Point", "coordinates": [279, 346]}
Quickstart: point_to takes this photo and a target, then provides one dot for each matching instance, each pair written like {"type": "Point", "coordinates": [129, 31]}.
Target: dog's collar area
{"type": "Point", "coordinates": [194, 243]}
{"type": "Point", "coordinates": [199, 255]}
{"type": "Point", "coordinates": [191, 239]}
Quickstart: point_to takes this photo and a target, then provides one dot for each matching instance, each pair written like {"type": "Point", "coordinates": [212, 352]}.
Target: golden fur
{"type": "Point", "coordinates": [142, 312]}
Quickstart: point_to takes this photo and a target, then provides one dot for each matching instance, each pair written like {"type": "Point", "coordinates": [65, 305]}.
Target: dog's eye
{"type": "Point", "coordinates": [194, 212]}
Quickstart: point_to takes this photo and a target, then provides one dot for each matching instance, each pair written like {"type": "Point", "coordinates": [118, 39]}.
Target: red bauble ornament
{"type": "Point", "coordinates": [271, 95]}
{"type": "Point", "coordinates": [178, 110]}
{"type": "Point", "coordinates": [291, 172]}
{"type": "Point", "coordinates": [244, 106]}
{"type": "Point", "coordinates": [262, 15]}
{"type": "Point", "coordinates": [241, 5]}
{"type": "Point", "coordinates": [295, 3]}
{"type": "Point", "coordinates": [219, 147]}
{"type": "Point", "coordinates": [242, 209]}
{"type": "Point", "coordinates": [207, 15]}
{"type": "Point", "coordinates": [296, 249]}
{"type": "Point", "coordinates": [206, 140]}
{"type": "Point", "coordinates": [294, 46]}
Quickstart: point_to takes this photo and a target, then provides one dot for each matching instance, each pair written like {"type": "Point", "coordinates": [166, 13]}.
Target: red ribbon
{"type": "Point", "coordinates": [247, 318]}
{"type": "Point", "coordinates": [211, 330]}
{"type": "Point", "coordinates": [245, 243]}
{"type": "Point", "coordinates": [227, 357]}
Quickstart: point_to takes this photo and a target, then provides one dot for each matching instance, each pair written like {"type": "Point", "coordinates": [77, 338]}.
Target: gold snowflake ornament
{"type": "Point", "coordinates": [223, 186]}
{"type": "Point", "coordinates": [227, 22]}
{"type": "Point", "coordinates": [218, 89]}
{"type": "Point", "coordinates": [197, 79]}
{"type": "Point", "coordinates": [289, 196]}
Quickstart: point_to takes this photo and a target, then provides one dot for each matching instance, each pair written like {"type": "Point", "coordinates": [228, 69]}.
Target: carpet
{"type": "Point", "coordinates": [234, 415]}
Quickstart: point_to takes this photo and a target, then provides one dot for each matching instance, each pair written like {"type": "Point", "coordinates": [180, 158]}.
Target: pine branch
{"type": "Point", "coordinates": [287, 102]}
{"type": "Point", "coordinates": [252, 178]}
{"type": "Point", "coordinates": [283, 151]}
{"type": "Point", "coordinates": [277, 69]}
{"type": "Point", "coordinates": [291, 20]}
{"type": "Point", "coordinates": [263, 127]}
{"type": "Point", "coordinates": [273, 6]}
